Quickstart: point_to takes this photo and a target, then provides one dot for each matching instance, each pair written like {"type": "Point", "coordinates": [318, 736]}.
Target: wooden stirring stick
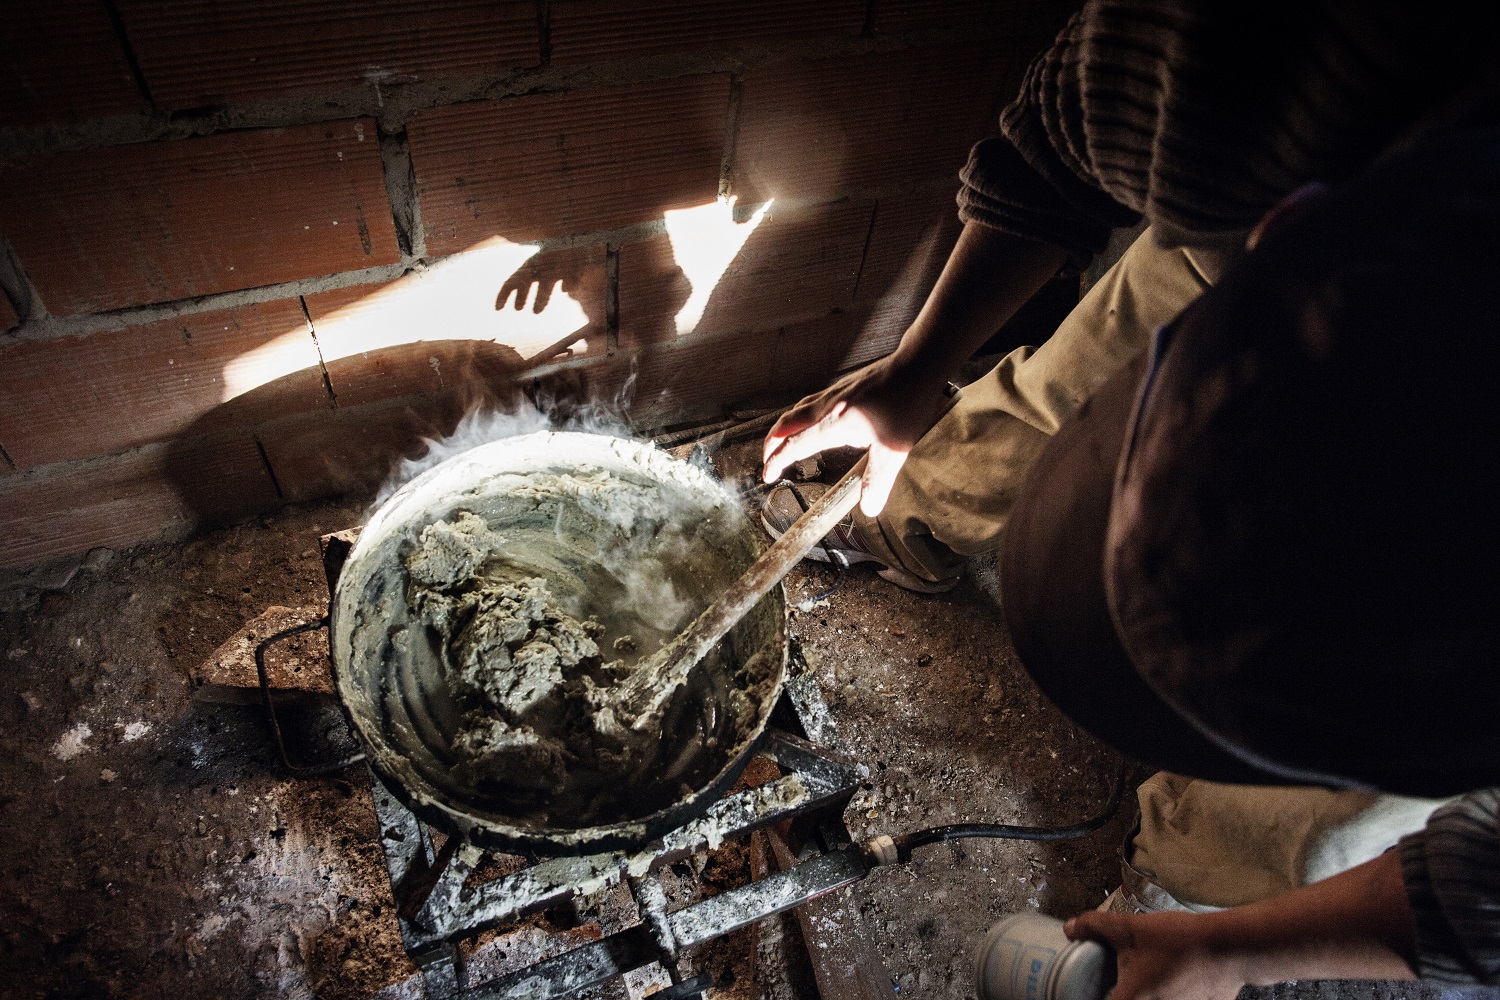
{"type": "Point", "coordinates": [638, 701]}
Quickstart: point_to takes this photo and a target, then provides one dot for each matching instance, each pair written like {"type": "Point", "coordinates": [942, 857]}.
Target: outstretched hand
{"type": "Point", "coordinates": [1354, 925]}
{"type": "Point", "coordinates": [883, 407]}
{"type": "Point", "coordinates": [1164, 956]}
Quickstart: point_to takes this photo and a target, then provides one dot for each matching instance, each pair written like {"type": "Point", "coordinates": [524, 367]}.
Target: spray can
{"type": "Point", "coordinates": [1028, 957]}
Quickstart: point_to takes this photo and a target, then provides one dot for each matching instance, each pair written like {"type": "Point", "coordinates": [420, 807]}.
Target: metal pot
{"type": "Point", "coordinates": [611, 525]}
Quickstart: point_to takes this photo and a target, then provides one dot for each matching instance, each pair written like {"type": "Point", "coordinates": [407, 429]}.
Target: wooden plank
{"type": "Point", "coordinates": [296, 665]}
{"type": "Point", "coordinates": [844, 959]}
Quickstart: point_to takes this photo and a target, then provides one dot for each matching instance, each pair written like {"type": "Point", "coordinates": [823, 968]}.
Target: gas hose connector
{"type": "Point", "coordinates": [882, 850]}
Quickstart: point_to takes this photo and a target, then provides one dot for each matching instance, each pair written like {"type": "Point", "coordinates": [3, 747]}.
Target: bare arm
{"type": "Point", "coordinates": [1355, 925]}
{"type": "Point", "coordinates": [888, 405]}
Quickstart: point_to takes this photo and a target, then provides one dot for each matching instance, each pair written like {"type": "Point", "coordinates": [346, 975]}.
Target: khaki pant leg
{"type": "Point", "coordinates": [1204, 845]}
{"type": "Point", "coordinates": [957, 487]}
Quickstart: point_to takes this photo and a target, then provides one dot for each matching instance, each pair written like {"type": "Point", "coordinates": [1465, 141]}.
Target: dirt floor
{"type": "Point", "coordinates": [153, 847]}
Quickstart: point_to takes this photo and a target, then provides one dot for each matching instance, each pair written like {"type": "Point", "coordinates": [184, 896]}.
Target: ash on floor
{"type": "Point", "coordinates": [153, 848]}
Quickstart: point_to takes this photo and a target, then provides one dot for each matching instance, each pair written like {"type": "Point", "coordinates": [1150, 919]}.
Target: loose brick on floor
{"type": "Point", "coordinates": [797, 264]}
{"type": "Point", "coordinates": [526, 168]}
{"type": "Point", "coordinates": [154, 222]}
{"type": "Point", "coordinates": [825, 128]}
{"type": "Point", "coordinates": [599, 30]}
{"type": "Point", "coordinates": [78, 397]}
{"type": "Point", "coordinates": [196, 53]}
{"type": "Point", "coordinates": [455, 323]}
{"type": "Point", "coordinates": [297, 669]}
{"type": "Point", "coordinates": [909, 243]}
{"type": "Point", "coordinates": [61, 61]}
{"type": "Point", "coordinates": [122, 501]}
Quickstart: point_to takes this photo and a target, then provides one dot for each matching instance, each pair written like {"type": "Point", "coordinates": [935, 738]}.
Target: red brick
{"type": "Point", "coordinates": [687, 379]}
{"type": "Point", "coordinates": [909, 244]}
{"type": "Point", "coordinates": [201, 52]}
{"type": "Point", "coordinates": [8, 318]}
{"type": "Point", "coordinates": [652, 288]}
{"type": "Point", "coordinates": [62, 61]}
{"type": "Point", "coordinates": [352, 450]}
{"type": "Point", "coordinates": [525, 168]}
{"type": "Point", "coordinates": [812, 353]}
{"type": "Point", "coordinates": [912, 15]}
{"type": "Point", "coordinates": [798, 263]}
{"type": "Point", "coordinates": [79, 397]}
{"type": "Point", "coordinates": [827, 128]}
{"type": "Point", "coordinates": [160, 221]}
{"type": "Point", "coordinates": [598, 30]}
{"type": "Point", "coordinates": [455, 323]}
{"type": "Point", "coordinates": [880, 331]}
{"type": "Point", "coordinates": [118, 502]}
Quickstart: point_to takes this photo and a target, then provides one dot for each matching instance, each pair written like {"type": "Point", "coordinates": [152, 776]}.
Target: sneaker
{"type": "Point", "coordinates": [843, 546]}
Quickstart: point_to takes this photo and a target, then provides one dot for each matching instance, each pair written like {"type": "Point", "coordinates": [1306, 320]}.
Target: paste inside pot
{"type": "Point", "coordinates": [491, 603]}
{"type": "Point", "coordinates": [519, 665]}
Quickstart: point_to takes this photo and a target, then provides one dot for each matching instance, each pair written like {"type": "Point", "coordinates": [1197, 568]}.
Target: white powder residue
{"type": "Point", "coordinates": [282, 897]}
{"type": "Point", "coordinates": [73, 742]}
{"type": "Point", "coordinates": [133, 731]}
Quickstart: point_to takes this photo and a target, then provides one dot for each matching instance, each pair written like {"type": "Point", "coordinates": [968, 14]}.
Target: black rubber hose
{"type": "Point", "coordinates": [1002, 831]}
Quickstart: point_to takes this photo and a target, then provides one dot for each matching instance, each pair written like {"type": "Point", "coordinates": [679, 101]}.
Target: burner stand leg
{"type": "Point", "coordinates": [442, 971]}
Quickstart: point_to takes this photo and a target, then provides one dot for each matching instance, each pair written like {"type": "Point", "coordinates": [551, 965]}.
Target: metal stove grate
{"type": "Point", "coordinates": [438, 906]}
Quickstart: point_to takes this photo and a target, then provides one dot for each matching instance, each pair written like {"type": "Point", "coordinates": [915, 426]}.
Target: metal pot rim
{"type": "Point", "coordinates": [435, 805]}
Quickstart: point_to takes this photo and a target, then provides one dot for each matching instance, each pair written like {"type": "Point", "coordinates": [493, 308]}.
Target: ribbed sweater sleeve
{"type": "Point", "coordinates": [1452, 873]}
{"type": "Point", "coordinates": [1202, 114]}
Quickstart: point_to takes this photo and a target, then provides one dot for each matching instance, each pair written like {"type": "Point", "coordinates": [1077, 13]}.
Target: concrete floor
{"type": "Point", "coordinates": [153, 847]}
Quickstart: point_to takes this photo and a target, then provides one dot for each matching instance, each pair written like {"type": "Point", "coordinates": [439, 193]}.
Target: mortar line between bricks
{"type": "Point", "coordinates": [864, 253]}
{"type": "Point", "coordinates": [399, 101]}
{"type": "Point", "coordinates": [123, 37]}
{"type": "Point", "coordinates": [333, 398]}
{"type": "Point", "coordinates": [611, 298]}
{"type": "Point", "coordinates": [731, 133]}
{"type": "Point", "coordinates": [544, 32]}
{"type": "Point", "coordinates": [401, 194]}
{"type": "Point", "coordinates": [266, 460]}
{"type": "Point", "coordinates": [118, 319]}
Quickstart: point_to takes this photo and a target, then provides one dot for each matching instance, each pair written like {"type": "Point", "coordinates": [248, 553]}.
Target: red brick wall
{"type": "Point", "coordinates": [253, 253]}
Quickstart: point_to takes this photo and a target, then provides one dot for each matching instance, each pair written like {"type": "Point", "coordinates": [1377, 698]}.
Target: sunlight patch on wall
{"type": "Point", "coordinates": [470, 296]}
{"type": "Point", "coordinates": [457, 298]}
{"type": "Point", "coordinates": [705, 241]}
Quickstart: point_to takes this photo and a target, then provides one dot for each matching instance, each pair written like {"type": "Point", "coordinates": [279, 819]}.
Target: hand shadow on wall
{"type": "Point", "coordinates": [343, 428]}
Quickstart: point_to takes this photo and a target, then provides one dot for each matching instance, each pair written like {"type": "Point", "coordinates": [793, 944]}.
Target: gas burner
{"type": "Point", "coordinates": [439, 906]}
